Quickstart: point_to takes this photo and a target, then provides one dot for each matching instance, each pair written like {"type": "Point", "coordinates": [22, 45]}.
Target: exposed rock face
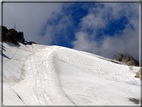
{"type": "Point", "coordinates": [11, 36]}
{"type": "Point", "coordinates": [138, 74]}
{"type": "Point", "coordinates": [125, 58]}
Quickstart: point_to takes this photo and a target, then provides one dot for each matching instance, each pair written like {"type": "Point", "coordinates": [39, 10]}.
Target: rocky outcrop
{"type": "Point", "coordinates": [6, 36]}
{"type": "Point", "coordinates": [138, 74]}
{"type": "Point", "coordinates": [12, 36]}
{"type": "Point", "coordinates": [125, 58]}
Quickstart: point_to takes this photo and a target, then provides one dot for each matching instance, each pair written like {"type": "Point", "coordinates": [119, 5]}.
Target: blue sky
{"type": "Point", "coordinates": [76, 11]}
{"type": "Point", "coordinates": [100, 28]}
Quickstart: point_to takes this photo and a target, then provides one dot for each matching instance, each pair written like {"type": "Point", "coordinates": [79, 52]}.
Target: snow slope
{"type": "Point", "coordinates": [53, 75]}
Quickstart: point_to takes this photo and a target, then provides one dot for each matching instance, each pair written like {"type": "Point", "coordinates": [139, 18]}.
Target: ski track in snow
{"type": "Point", "coordinates": [52, 75]}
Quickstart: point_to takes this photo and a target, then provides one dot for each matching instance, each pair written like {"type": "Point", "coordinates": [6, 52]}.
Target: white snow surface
{"type": "Point", "coordinates": [53, 75]}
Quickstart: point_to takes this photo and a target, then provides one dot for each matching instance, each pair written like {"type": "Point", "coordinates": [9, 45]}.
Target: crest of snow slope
{"type": "Point", "coordinates": [52, 75]}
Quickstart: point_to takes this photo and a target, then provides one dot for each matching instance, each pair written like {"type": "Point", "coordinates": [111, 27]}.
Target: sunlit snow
{"type": "Point", "coordinates": [53, 75]}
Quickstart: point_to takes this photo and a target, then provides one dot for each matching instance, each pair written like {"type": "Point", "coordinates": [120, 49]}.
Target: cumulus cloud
{"type": "Point", "coordinates": [99, 17]}
{"type": "Point", "coordinates": [83, 43]}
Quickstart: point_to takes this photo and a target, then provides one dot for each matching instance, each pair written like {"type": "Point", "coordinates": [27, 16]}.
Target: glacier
{"type": "Point", "coordinates": [54, 75]}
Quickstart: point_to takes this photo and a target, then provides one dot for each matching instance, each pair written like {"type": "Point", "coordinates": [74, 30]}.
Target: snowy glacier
{"type": "Point", "coordinates": [54, 75]}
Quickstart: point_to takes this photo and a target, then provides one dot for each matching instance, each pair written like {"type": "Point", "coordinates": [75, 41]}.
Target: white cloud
{"type": "Point", "coordinates": [98, 18]}
{"type": "Point", "coordinates": [92, 22]}
{"type": "Point", "coordinates": [82, 42]}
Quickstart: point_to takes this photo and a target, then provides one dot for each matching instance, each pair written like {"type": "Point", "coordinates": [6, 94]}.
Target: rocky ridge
{"type": "Point", "coordinates": [125, 58]}
{"type": "Point", "coordinates": [12, 36]}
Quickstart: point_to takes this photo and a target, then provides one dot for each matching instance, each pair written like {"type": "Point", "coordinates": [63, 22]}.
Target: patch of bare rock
{"type": "Point", "coordinates": [125, 58]}
{"type": "Point", "coordinates": [12, 36]}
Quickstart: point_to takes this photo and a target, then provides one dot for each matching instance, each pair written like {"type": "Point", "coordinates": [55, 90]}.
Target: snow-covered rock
{"type": "Point", "coordinates": [53, 75]}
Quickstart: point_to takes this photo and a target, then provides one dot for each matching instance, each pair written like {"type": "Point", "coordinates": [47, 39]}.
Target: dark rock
{"type": "Point", "coordinates": [138, 74]}
{"type": "Point", "coordinates": [125, 58]}
{"type": "Point", "coordinates": [12, 36]}
{"type": "Point", "coordinates": [4, 34]}
{"type": "Point", "coordinates": [31, 42]}
{"type": "Point", "coordinates": [20, 37]}
{"type": "Point", "coordinates": [134, 100]}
